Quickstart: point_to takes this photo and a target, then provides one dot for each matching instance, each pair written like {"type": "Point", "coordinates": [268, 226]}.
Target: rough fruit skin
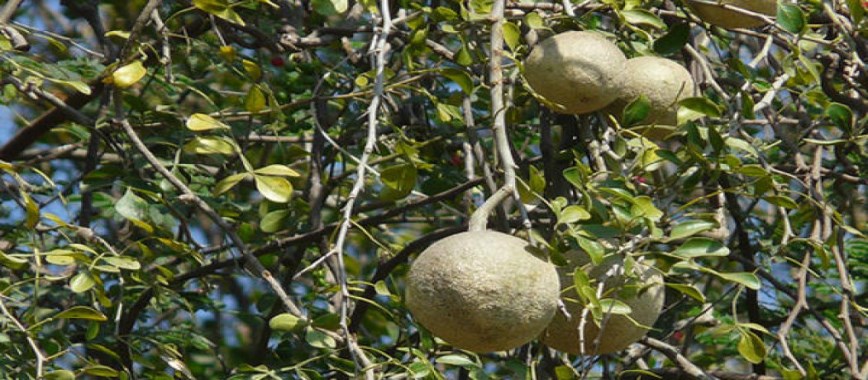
{"type": "Point", "coordinates": [664, 82]}
{"type": "Point", "coordinates": [645, 298]}
{"type": "Point", "coordinates": [577, 70]}
{"type": "Point", "coordinates": [725, 18]}
{"type": "Point", "coordinates": [482, 291]}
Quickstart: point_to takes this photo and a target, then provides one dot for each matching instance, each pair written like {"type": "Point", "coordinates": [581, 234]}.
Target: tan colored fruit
{"type": "Point", "coordinates": [663, 82]}
{"type": "Point", "coordinates": [482, 291]}
{"type": "Point", "coordinates": [577, 70]}
{"type": "Point", "coordinates": [727, 18]}
{"type": "Point", "coordinates": [644, 296]}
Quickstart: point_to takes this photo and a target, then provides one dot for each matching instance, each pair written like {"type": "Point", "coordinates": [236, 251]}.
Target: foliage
{"type": "Point", "coordinates": [233, 189]}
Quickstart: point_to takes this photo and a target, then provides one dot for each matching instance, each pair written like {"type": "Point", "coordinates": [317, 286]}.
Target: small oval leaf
{"type": "Point", "coordinates": [129, 75]}
{"type": "Point", "coordinates": [82, 312]}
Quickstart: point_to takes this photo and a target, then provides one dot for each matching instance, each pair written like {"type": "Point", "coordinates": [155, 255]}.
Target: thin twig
{"type": "Point", "coordinates": [40, 357]}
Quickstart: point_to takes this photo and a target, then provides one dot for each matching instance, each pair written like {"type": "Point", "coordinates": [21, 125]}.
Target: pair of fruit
{"type": "Point", "coordinates": [582, 72]}
{"type": "Point", "coordinates": [486, 291]}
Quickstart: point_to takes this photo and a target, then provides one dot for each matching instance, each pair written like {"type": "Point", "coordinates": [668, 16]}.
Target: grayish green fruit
{"type": "Point", "coordinates": [576, 70]}
{"type": "Point", "coordinates": [716, 14]}
{"type": "Point", "coordinates": [644, 295]}
{"type": "Point", "coordinates": [664, 82]}
{"type": "Point", "coordinates": [482, 291]}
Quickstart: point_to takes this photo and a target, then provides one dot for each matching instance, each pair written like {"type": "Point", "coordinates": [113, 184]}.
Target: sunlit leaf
{"type": "Point", "coordinates": [82, 312]}
{"type": "Point", "coordinates": [614, 306]}
{"type": "Point", "coordinates": [128, 75]}
{"type": "Point", "coordinates": [277, 170]}
{"type": "Point", "coordinates": [209, 145]}
{"type": "Point", "coordinates": [199, 122]}
{"type": "Point", "coordinates": [123, 262]}
{"type": "Point", "coordinates": [255, 100]}
{"type": "Point", "coordinates": [749, 280]}
{"type": "Point", "coordinates": [456, 360]}
{"type": "Point", "coordinates": [751, 347]}
{"type": "Point", "coordinates": [688, 290]}
{"type": "Point", "coordinates": [82, 282]}
{"type": "Point", "coordinates": [12, 262]}
{"type": "Point", "coordinates": [572, 214]}
{"type": "Point", "coordinates": [285, 322]}
{"type": "Point", "coordinates": [229, 182]}
{"type": "Point", "coordinates": [275, 189]}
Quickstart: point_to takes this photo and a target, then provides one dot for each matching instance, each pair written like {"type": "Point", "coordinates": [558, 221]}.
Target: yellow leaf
{"type": "Point", "coordinates": [129, 75]}
{"type": "Point", "coordinates": [201, 122]}
{"type": "Point", "coordinates": [252, 69]}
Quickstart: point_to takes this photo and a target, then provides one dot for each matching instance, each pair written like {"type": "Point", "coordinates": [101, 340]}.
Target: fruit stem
{"type": "Point", "coordinates": [479, 218]}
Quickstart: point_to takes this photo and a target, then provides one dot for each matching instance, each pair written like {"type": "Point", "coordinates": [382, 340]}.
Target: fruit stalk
{"type": "Point", "coordinates": [495, 67]}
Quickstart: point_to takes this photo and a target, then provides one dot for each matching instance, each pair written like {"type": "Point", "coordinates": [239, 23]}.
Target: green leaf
{"type": "Point", "coordinates": [129, 74]}
{"type": "Point", "coordinates": [60, 375]}
{"type": "Point", "coordinates": [534, 21]}
{"type": "Point", "coordinates": [637, 111]}
{"type": "Point", "coordinates": [277, 170]}
{"type": "Point", "coordinates": [31, 208]}
{"type": "Point", "coordinates": [329, 7]}
{"type": "Point", "coordinates": [273, 221]}
{"type": "Point", "coordinates": [319, 339]}
{"type": "Point", "coordinates": [457, 360]}
{"type": "Point", "coordinates": [285, 322]}
{"type": "Point", "coordinates": [753, 170]}
{"type": "Point", "coordinates": [701, 105]}
{"type": "Point", "coordinates": [841, 116]}
{"type": "Point", "coordinates": [511, 35]}
{"type": "Point", "coordinates": [209, 145]}
{"type": "Point", "coordinates": [791, 18]}
{"type": "Point", "coordinates": [643, 206]}
{"type": "Point", "coordinates": [123, 262]}
{"type": "Point", "coordinates": [689, 228]}
{"type": "Point", "coordinates": [751, 347]}
{"type": "Point", "coordinates": [275, 189]}
{"type": "Point", "coordinates": [463, 57]}
{"type": "Point", "coordinates": [400, 178]}
{"type": "Point", "coordinates": [229, 182]}
{"type": "Point", "coordinates": [100, 371]}
{"type": "Point", "coordinates": [643, 17]}
{"type": "Point", "coordinates": [688, 290]}
{"type": "Point", "coordinates": [219, 8]}
{"type": "Point", "coordinates": [699, 247]}
{"type": "Point", "coordinates": [572, 214]}
{"type": "Point", "coordinates": [749, 280]}
{"type": "Point", "coordinates": [199, 122]}
{"type": "Point", "coordinates": [255, 100]}
{"type": "Point", "coordinates": [782, 201]}
{"type": "Point", "coordinates": [12, 262]}
{"type": "Point", "coordinates": [82, 312]}
{"type": "Point", "coordinates": [460, 77]}
{"type": "Point", "coordinates": [613, 306]}
{"type": "Point", "coordinates": [132, 207]}
{"type": "Point", "coordinates": [672, 42]}
{"type": "Point", "coordinates": [82, 282]}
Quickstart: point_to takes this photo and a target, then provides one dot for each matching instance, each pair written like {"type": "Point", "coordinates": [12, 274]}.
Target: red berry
{"type": "Point", "coordinates": [277, 61]}
{"type": "Point", "coordinates": [456, 159]}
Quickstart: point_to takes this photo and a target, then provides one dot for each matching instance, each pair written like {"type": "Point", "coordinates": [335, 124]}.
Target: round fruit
{"type": "Point", "coordinates": [663, 82]}
{"type": "Point", "coordinates": [716, 14]}
{"type": "Point", "coordinates": [643, 293]}
{"type": "Point", "coordinates": [576, 70]}
{"type": "Point", "coordinates": [482, 291]}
